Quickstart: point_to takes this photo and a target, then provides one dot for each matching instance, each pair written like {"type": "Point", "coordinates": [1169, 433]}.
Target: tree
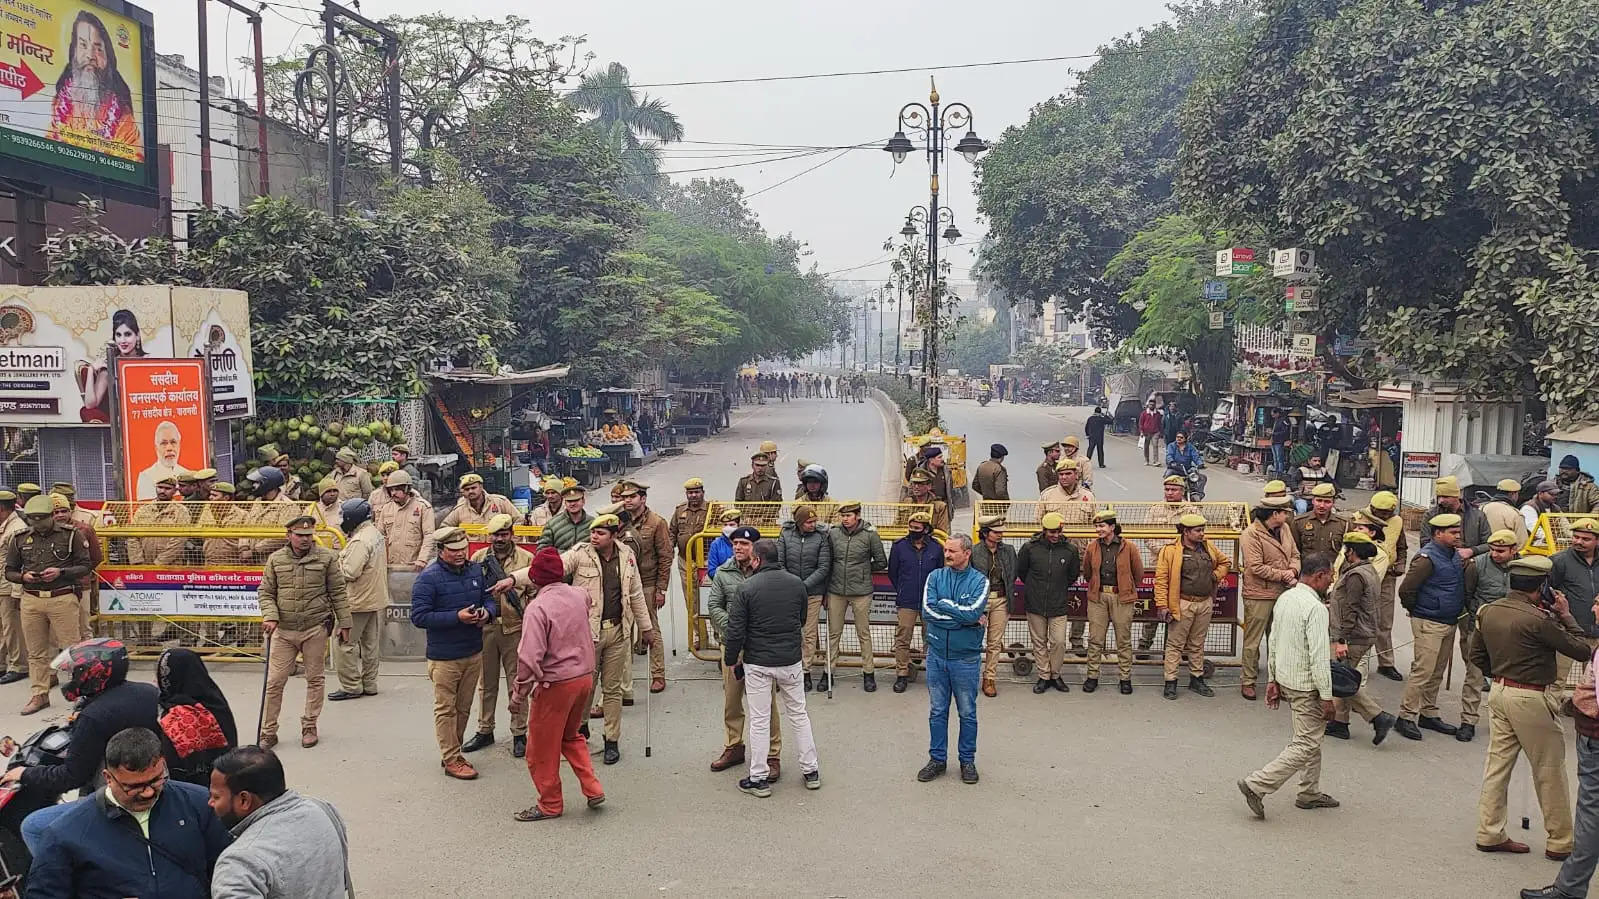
{"type": "Point", "coordinates": [1064, 192]}
{"type": "Point", "coordinates": [974, 346]}
{"type": "Point", "coordinates": [713, 203]}
{"type": "Point", "coordinates": [634, 125]}
{"type": "Point", "coordinates": [1440, 158]}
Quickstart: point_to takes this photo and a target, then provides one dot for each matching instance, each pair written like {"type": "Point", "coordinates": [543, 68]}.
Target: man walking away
{"type": "Point", "coordinates": [765, 626]}
{"type": "Point", "coordinates": [953, 606]}
{"type": "Point", "coordinates": [1149, 435]}
{"type": "Point", "coordinates": [1517, 640]}
{"type": "Point", "coordinates": [725, 583]}
{"type": "Point", "coordinates": [1094, 429]}
{"type": "Point", "coordinates": [1299, 665]}
{"type": "Point", "coordinates": [555, 666]}
{"type": "Point", "coordinates": [285, 846]}
{"type": "Point", "coordinates": [992, 481]}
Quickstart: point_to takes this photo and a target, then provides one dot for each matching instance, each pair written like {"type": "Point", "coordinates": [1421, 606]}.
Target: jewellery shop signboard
{"type": "Point", "coordinates": [56, 344]}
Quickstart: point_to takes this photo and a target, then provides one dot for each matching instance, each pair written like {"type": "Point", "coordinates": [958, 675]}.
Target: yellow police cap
{"type": "Point", "coordinates": [854, 506]}
{"type": "Point", "coordinates": [400, 448]}
{"type": "Point", "coordinates": [610, 509]}
{"type": "Point", "coordinates": [1531, 565]}
{"type": "Point", "coordinates": [1448, 485]}
{"type": "Point", "coordinates": [1066, 465]}
{"type": "Point", "coordinates": [57, 501]}
{"type": "Point", "coordinates": [1445, 520]}
{"type": "Point", "coordinates": [170, 479]}
{"type": "Point", "coordinates": [1502, 537]}
{"type": "Point", "coordinates": [224, 487]}
{"type": "Point", "coordinates": [498, 523]}
{"type": "Point", "coordinates": [1274, 502]}
{"type": "Point", "coordinates": [468, 480]}
{"type": "Point", "coordinates": [1325, 491]}
{"type": "Point", "coordinates": [572, 490]}
{"type": "Point", "coordinates": [1586, 525]}
{"type": "Point", "coordinates": [1275, 487]}
{"type": "Point", "coordinates": [1384, 501]}
{"type": "Point", "coordinates": [610, 522]}
{"type": "Point", "coordinates": [1051, 445]}
{"type": "Point", "coordinates": [6, 496]}
{"type": "Point", "coordinates": [921, 518]}
{"type": "Point", "coordinates": [63, 488]}
{"type": "Point", "coordinates": [693, 484]}
{"type": "Point", "coordinates": [1052, 521]}
{"type": "Point", "coordinates": [183, 477]}
{"type": "Point", "coordinates": [1173, 480]}
{"type": "Point", "coordinates": [1104, 516]}
{"type": "Point", "coordinates": [759, 457]}
{"type": "Point", "coordinates": [1509, 485]}
{"type": "Point", "coordinates": [324, 485]}
{"type": "Point", "coordinates": [27, 489]}
{"type": "Point", "coordinates": [769, 446]}
{"type": "Point", "coordinates": [1071, 441]}
{"type": "Point", "coordinates": [1192, 520]}
{"type": "Point", "coordinates": [303, 525]}
{"type": "Point", "coordinates": [920, 477]}
{"type": "Point", "coordinates": [731, 515]}
{"type": "Point", "coordinates": [450, 538]}
{"type": "Point", "coordinates": [1358, 537]}
{"type": "Point", "coordinates": [1361, 518]}
{"type": "Point", "coordinates": [991, 522]}
{"type": "Point", "coordinates": [38, 505]}
{"type": "Point", "coordinates": [345, 454]}
{"type": "Point", "coordinates": [205, 474]}
{"type": "Point", "coordinates": [631, 488]}
{"type": "Point", "coordinates": [802, 463]}
{"type": "Point", "coordinates": [388, 466]}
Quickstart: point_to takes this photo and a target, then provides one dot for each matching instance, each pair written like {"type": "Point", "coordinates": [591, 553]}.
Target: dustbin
{"type": "Point", "coordinates": [402, 640]}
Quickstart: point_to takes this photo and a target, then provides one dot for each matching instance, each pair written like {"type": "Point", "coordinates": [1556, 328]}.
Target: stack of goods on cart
{"type": "Point", "coordinates": [615, 433]}
{"type": "Point", "coordinates": [311, 443]}
{"type": "Point", "coordinates": [581, 452]}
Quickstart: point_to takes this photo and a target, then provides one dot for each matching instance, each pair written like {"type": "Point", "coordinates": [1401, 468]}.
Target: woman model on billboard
{"type": "Point", "coordinates": [94, 377]}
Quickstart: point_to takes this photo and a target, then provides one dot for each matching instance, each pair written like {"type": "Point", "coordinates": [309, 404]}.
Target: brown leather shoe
{"type": "Point", "coordinates": [658, 685]}
{"type": "Point", "coordinates": [990, 688]}
{"type": "Point", "coordinates": [1247, 691]}
{"type": "Point", "coordinates": [38, 702]}
{"type": "Point", "coordinates": [268, 741]}
{"type": "Point", "coordinates": [732, 755]}
{"type": "Point", "coordinates": [308, 738]}
{"type": "Point", "coordinates": [1556, 856]}
{"type": "Point", "coordinates": [774, 769]}
{"type": "Point", "coordinates": [1507, 846]}
{"type": "Point", "coordinates": [460, 770]}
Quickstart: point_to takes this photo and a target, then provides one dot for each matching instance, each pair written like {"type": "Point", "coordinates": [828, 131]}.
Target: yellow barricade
{"type": "Point", "coordinates": [186, 574]}
{"type": "Point", "coordinates": [1553, 532]}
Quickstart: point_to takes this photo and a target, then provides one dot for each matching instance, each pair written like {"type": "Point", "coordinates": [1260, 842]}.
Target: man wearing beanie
{"type": "Point", "coordinates": [555, 666]}
{"type": "Point", "coordinates": [992, 481]}
{"type": "Point", "coordinates": [1581, 493]}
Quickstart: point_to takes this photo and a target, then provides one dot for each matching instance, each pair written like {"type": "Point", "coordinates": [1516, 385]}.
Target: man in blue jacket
{"type": "Point", "coordinates": [910, 560]}
{"type": "Point", "coordinates": [953, 605]}
{"type": "Point", "coordinates": [143, 835]}
{"type": "Point", "coordinates": [452, 600]}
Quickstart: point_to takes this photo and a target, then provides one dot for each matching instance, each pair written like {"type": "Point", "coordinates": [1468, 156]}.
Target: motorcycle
{"type": "Point", "coordinates": [984, 397]}
{"type": "Point", "coordinates": [1194, 479]}
{"type": "Point", "coordinates": [47, 747]}
{"type": "Point", "coordinates": [1216, 446]}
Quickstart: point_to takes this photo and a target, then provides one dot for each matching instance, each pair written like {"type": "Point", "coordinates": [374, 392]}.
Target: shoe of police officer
{"type": "Point", "coordinates": [1508, 845]}
{"type": "Point", "coordinates": [1466, 732]}
{"type": "Point", "coordinates": [308, 737]}
{"type": "Point", "coordinates": [809, 684]}
{"type": "Point", "coordinates": [1322, 800]}
{"type": "Point", "coordinates": [931, 770]}
{"type": "Point", "coordinates": [1090, 685]}
{"type": "Point", "coordinates": [730, 757]}
{"type": "Point", "coordinates": [267, 741]}
{"type": "Point", "coordinates": [774, 769]}
{"type": "Point", "coordinates": [613, 752]}
{"type": "Point", "coordinates": [335, 696]}
{"type": "Point", "coordinates": [519, 747]}
{"type": "Point", "coordinates": [38, 702]}
{"type": "Point", "coordinates": [1555, 856]}
{"type": "Point", "coordinates": [1061, 685]}
{"type": "Point", "coordinates": [11, 677]}
{"type": "Point", "coordinates": [1125, 687]}
{"type": "Point", "coordinates": [869, 682]}
{"type": "Point", "coordinates": [1253, 799]}
{"type": "Point", "coordinates": [1339, 729]}
{"type": "Point", "coordinates": [1170, 690]}
{"type": "Point", "coordinates": [990, 689]}
{"type": "Point", "coordinates": [968, 772]}
{"type": "Point", "coordinates": [1380, 727]}
{"type": "Point", "coordinates": [1549, 892]}
{"type": "Point", "coordinates": [1390, 672]}
{"type": "Point", "coordinates": [479, 740]}
{"type": "Point", "coordinates": [459, 769]}
{"type": "Point", "coordinates": [1041, 687]}
{"type": "Point", "coordinates": [1438, 724]}
{"type": "Point", "coordinates": [756, 788]}
{"type": "Point", "coordinates": [1407, 729]}
{"type": "Point", "coordinates": [1198, 685]}
{"type": "Point", "coordinates": [821, 684]}
{"type": "Point", "coordinates": [901, 683]}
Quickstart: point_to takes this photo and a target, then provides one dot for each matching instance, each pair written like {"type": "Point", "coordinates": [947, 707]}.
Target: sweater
{"type": "Point", "coordinates": [1047, 572]}
{"type": "Point", "coordinates": [954, 605]}
{"type": "Point", "coordinates": [909, 567]}
{"type": "Point", "coordinates": [856, 555]}
{"type": "Point", "coordinates": [439, 594]}
{"type": "Point", "coordinates": [1268, 561]}
{"type": "Point", "coordinates": [765, 621]}
{"type": "Point", "coordinates": [294, 847]}
{"type": "Point", "coordinates": [555, 644]}
{"type": "Point", "coordinates": [1129, 569]}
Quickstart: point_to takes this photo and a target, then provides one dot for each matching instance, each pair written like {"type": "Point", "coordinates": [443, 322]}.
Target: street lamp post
{"type": "Point", "coordinates": [881, 302]}
{"type": "Point", "coordinates": [933, 125]}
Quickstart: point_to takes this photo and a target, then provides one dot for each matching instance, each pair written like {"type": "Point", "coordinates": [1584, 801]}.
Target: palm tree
{"type": "Point", "coordinates": [634, 124]}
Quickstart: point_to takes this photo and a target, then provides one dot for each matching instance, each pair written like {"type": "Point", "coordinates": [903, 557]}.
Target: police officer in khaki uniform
{"type": "Point", "coordinates": [326, 508]}
{"type": "Point", "coordinates": [162, 512]}
{"type": "Point", "coordinates": [1517, 641]}
{"type": "Point", "coordinates": [351, 479]}
{"type": "Point", "coordinates": [992, 481]}
{"type": "Point", "coordinates": [365, 564]}
{"type": "Point", "coordinates": [13, 649]}
{"type": "Point", "coordinates": [540, 515]}
{"type": "Point", "coordinates": [1322, 529]}
{"type": "Point", "coordinates": [477, 505]}
{"type": "Point", "coordinates": [407, 523]}
{"type": "Point", "coordinates": [653, 551]}
{"type": "Point", "coordinates": [46, 561]}
{"type": "Point", "coordinates": [1045, 472]}
{"type": "Point", "coordinates": [760, 485]}
{"type": "Point", "coordinates": [68, 513]}
{"type": "Point", "coordinates": [302, 591]}
{"type": "Point", "coordinates": [501, 638]}
{"type": "Point", "coordinates": [922, 494]}
{"type": "Point", "coordinates": [688, 519]}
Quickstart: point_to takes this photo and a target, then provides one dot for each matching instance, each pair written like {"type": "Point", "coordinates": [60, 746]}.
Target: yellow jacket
{"type": "Point", "coordinates": [1169, 574]}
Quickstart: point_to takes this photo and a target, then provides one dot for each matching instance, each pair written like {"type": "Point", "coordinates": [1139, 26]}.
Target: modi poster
{"type": "Point", "coordinates": [75, 88]}
{"type": "Point", "coordinates": [165, 421]}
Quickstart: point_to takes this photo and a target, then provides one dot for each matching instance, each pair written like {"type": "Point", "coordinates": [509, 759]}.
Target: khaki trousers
{"type": "Point", "coordinates": [861, 607]}
{"type": "Point", "coordinates": [499, 655]}
{"type": "Point", "coordinates": [611, 655]}
{"type": "Point", "coordinates": [1257, 623]}
{"type": "Point", "coordinates": [905, 621]}
{"type": "Point", "coordinates": [85, 604]}
{"type": "Point", "coordinates": [1361, 702]}
{"type": "Point", "coordinates": [1471, 686]}
{"type": "Point", "coordinates": [813, 616]}
{"type": "Point", "coordinates": [657, 651]}
{"type": "Point", "coordinates": [13, 647]}
{"type": "Point", "coordinates": [1303, 753]}
{"type": "Point", "coordinates": [1521, 720]}
{"type": "Point", "coordinates": [1102, 611]}
{"type": "Point", "coordinates": [454, 681]}
{"type": "Point", "coordinates": [995, 620]}
{"type": "Point", "coordinates": [312, 645]}
{"type": "Point", "coordinates": [1049, 644]}
{"type": "Point", "coordinates": [355, 661]}
{"type": "Point", "coordinates": [1434, 642]}
{"type": "Point", "coordinates": [1385, 621]}
{"type": "Point", "coordinates": [1187, 634]}
{"type": "Point", "coordinates": [1078, 627]}
{"type": "Point", "coordinates": [49, 625]}
{"type": "Point", "coordinates": [734, 719]}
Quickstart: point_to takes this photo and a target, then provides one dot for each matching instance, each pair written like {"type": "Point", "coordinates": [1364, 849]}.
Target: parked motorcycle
{"type": "Point", "coordinates": [47, 747]}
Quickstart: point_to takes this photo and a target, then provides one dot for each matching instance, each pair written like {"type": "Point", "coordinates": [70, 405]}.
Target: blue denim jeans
{"type": "Point", "coordinates": [946, 678]}
{"type": "Point", "coordinates": [1577, 869]}
{"type": "Point", "coordinates": [1279, 457]}
{"type": "Point", "coordinates": [33, 826]}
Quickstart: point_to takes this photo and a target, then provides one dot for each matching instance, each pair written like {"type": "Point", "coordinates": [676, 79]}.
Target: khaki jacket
{"type": "Point", "coordinates": [686, 522]}
{"type": "Point", "coordinates": [1129, 569]}
{"type": "Point", "coordinates": [992, 481]}
{"type": "Point", "coordinates": [302, 592]}
{"type": "Point", "coordinates": [332, 519]}
{"type": "Point", "coordinates": [1076, 508]}
{"type": "Point", "coordinates": [1169, 575]}
{"type": "Point", "coordinates": [493, 504]}
{"type": "Point", "coordinates": [582, 564]}
{"type": "Point", "coordinates": [364, 562]}
{"type": "Point", "coordinates": [224, 550]}
{"type": "Point", "coordinates": [509, 620]}
{"type": "Point", "coordinates": [273, 513]}
{"type": "Point", "coordinates": [1503, 516]}
{"type": "Point", "coordinates": [353, 484]}
{"type": "Point", "coordinates": [14, 525]}
{"type": "Point", "coordinates": [540, 514]}
{"type": "Point", "coordinates": [407, 531]}
{"type": "Point", "coordinates": [158, 550]}
{"type": "Point", "coordinates": [1267, 561]}
{"type": "Point", "coordinates": [654, 552]}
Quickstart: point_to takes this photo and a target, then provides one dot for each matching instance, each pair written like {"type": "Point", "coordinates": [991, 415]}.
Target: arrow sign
{"type": "Point", "coordinates": [21, 78]}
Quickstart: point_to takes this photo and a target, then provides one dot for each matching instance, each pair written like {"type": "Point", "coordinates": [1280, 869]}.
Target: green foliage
{"type": "Point", "coordinates": [1441, 159]}
{"type": "Point", "coordinates": [974, 345]}
{"type": "Point", "coordinates": [633, 125]}
{"type": "Point", "coordinates": [1050, 361]}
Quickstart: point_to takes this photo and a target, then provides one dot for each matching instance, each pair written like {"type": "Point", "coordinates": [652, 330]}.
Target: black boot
{"type": "Point", "coordinates": [1198, 685]}
{"type": "Point", "coordinates": [1380, 726]}
{"type": "Point", "coordinates": [478, 741]}
{"type": "Point", "coordinates": [1091, 685]}
{"type": "Point", "coordinates": [1170, 690]}
{"type": "Point", "coordinates": [1466, 732]}
{"type": "Point", "coordinates": [808, 685]}
{"type": "Point", "coordinates": [901, 683]}
{"type": "Point", "coordinates": [1439, 725]}
{"type": "Point", "coordinates": [1126, 687]}
{"type": "Point", "coordinates": [613, 753]}
{"type": "Point", "coordinates": [1041, 687]}
{"type": "Point", "coordinates": [519, 747]}
{"type": "Point", "coordinates": [1390, 672]}
{"type": "Point", "coordinates": [1407, 729]}
{"type": "Point", "coordinates": [1338, 729]}
{"type": "Point", "coordinates": [869, 682]}
{"type": "Point", "coordinates": [821, 683]}
{"type": "Point", "coordinates": [1061, 685]}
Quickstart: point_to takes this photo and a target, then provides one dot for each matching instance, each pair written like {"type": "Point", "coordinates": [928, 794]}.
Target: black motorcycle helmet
{"type": "Point", "coordinates": [92, 667]}
{"type": "Point", "coordinates": [354, 511]}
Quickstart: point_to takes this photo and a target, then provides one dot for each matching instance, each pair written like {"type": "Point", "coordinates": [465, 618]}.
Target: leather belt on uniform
{"type": "Point", "coordinates": [610, 623]}
{"type": "Point", "coordinates": [1507, 682]}
{"type": "Point", "coordinates": [48, 594]}
{"type": "Point", "coordinates": [1110, 590]}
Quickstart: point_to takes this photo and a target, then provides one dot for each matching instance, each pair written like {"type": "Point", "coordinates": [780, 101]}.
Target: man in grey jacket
{"type": "Point", "coordinates": [285, 846]}
{"type": "Point", "coordinates": [804, 551]}
{"type": "Point", "coordinates": [857, 554]}
{"type": "Point", "coordinates": [725, 583]}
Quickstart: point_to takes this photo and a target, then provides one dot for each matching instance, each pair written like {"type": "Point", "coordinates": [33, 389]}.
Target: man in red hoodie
{"type": "Point", "coordinates": [555, 664]}
{"type": "Point", "coordinates": [1149, 430]}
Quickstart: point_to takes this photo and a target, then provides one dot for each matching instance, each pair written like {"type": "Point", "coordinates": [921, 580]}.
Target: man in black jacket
{"type": "Point", "coordinates": [764, 625]}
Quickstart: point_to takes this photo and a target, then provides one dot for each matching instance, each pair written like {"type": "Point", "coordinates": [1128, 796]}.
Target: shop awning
{"type": "Point", "coordinates": [506, 377]}
{"type": "Point", "coordinates": [1362, 399]}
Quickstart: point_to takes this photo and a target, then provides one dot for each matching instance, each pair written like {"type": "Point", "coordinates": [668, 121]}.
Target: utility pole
{"type": "Point", "coordinates": [207, 196]}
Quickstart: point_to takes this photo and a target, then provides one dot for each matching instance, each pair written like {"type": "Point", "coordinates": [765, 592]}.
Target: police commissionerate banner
{"type": "Point", "coordinates": [179, 591]}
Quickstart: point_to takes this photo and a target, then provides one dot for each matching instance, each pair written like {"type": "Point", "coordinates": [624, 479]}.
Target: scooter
{"type": "Point", "coordinates": [47, 747]}
{"type": "Point", "coordinates": [984, 397]}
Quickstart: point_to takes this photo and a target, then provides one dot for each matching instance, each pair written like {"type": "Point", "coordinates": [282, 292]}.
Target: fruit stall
{"type": "Point", "coordinates": [617, 408]}
{"type": "Point", "coordinates": [493, 419]}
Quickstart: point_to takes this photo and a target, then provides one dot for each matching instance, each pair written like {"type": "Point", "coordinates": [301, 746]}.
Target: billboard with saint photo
{"type": "Point", "coordinates": [76, 90]}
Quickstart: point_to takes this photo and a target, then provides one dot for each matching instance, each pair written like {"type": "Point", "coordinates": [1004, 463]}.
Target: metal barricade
{"type": "Point", "coordinates": [187, 574]}
{"type": "Point", "coordinates": [1553, 532]}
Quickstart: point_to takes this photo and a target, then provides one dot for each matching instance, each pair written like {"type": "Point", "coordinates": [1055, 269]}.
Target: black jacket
{"type": "Point", "coordinates": [1047, 571]}
{"type": "Point", "coordinates": [765, 620]}
{"type": "Point", "coordinates": [118, 708]}
{"type": "Point", "coordinates": [1094, 427]}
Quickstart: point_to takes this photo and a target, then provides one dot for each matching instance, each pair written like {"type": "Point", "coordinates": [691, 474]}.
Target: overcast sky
{"type": "Point", "coordinates": [846, 208]}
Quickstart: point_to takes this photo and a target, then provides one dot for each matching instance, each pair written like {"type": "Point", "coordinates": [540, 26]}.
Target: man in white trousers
{"type": "Point", "coordinates": [765, 625]}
